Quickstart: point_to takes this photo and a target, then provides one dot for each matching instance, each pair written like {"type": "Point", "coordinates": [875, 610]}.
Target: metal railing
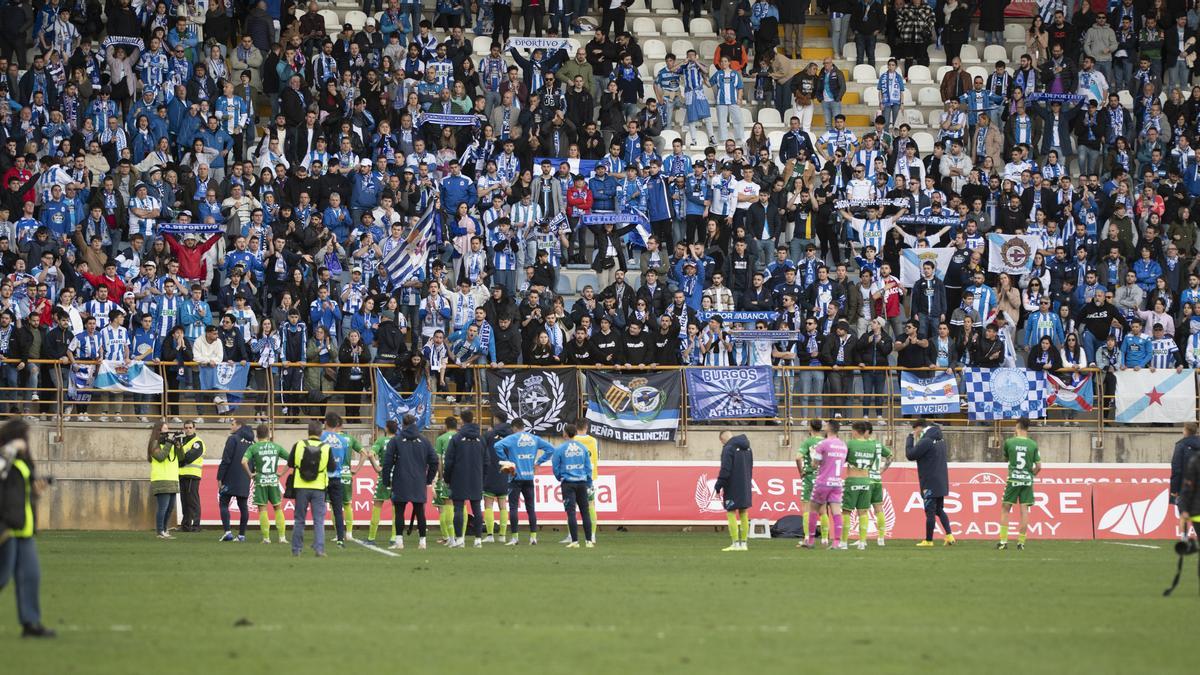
{"type": "Point", "coordinates": [294, 392]}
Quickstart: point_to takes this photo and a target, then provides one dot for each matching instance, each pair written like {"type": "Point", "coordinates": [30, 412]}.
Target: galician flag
{"type": "Point", "coordinates": [1164, 395]}
{"type": "Point", "coordinates": [1076, 396]}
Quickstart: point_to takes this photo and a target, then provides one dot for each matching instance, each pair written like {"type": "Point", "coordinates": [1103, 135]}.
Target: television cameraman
{"type": "Point", "coordinates": [20, 489]}
{"type": "Point", "coordinates": [163, 454]}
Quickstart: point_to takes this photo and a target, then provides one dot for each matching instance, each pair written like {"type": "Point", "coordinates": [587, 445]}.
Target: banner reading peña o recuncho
{"type": "Point", "coordinates": [546, 400]}
{"type": "Point", "coordinates": [634, 407]}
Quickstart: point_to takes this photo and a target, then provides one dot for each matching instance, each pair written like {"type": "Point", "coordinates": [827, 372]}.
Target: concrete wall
{"type": "Point", "coordinates": [103, 477]}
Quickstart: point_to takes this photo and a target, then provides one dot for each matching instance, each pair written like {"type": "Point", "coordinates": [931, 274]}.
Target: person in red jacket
{"type": "Point", "coordinates": [579, 204]}
{"type": "Point", "coordinates": [191, 254]}
{"type": "Point", "coordinates": [114, 283]}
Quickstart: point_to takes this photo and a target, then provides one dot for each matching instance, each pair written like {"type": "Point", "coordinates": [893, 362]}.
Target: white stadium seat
{"type": "Point", "coordinates": [356, 19]}
{"type": "Point", "coordinates": [977, 71]}
{"type": "Point", "coordinates": [482, 44]}
{"type": "Point", "coordinates": [700, 140]}
{"type": "Point", "coordinates": [680, 49]}
{"type": "Point", "coordinates": [770, 117]}
{"type": "Point", "coordinates": [668, 137]}
{"type": "Point", "coordinates": [870, 96]}
{"type": "Point", "coordinates": [1126, 98]}
{"type": "Point", "coordinates": [914, 119]}
{"type": "Point", "coordinates": [994, 53]}
{"type": "Point", "coordinates": [924, 141]}
{"type": "Point", "coordinates": [969, 54]}
{"type": "Point", "coordinates": [672, 27]}
{"type": "Point", "coordinates": [654, 49]}
{"type": "Point", "coordinates": [929, 96]}
{"type": "Point", "coordinates": [907, 97]}
{"type": "Point", "coordinates": [1014, 32]}
{"type": "Point", "coordinates": [644, 27]}
{"type": "Point", "coordinates": [1016, 55]}
{"type": "Point", "coordinates": [702, 26]}
{"type": "Point", "coordinates": [865, 74]}
{"type": "Point", "coordinates": [662, 5]}
{"type": "Point", "coordinates": [850, 51]}
{"type": "Point", "coordinates": [775, 138]}
{"type": "Point", "coordinates": [919, 75]}
{"type": "Point", "coordinates": [935, 119]}
{"type": "Point", "coordinates": [333, 25]}
{"type": "Point", "coordinates": [941, 73]}
{"type": "Point", "coordinates": [883, 52]}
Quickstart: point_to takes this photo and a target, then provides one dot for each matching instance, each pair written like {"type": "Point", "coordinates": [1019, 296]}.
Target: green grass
{"type": "Point", "coordinates": [638, 603]}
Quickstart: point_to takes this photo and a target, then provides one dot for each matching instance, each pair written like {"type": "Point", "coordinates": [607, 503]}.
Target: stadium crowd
{"type": "Point", "coordinates": [220, 183]}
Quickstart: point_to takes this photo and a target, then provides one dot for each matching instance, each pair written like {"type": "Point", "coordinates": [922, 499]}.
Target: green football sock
{"type": "Point", "coordinates": [446, 520]}
{"type": "Point", "coordinates": [825, 525]}
{"type": "Point", "coordinates": [489, 520]}
{"type": "Point", "coordinates": [846, 529]}
{"type": "Point", "coordinates": [881, 523]}
{"type": "Point", "coordinates": [592, 512]}
{"type": "Point", "coordinates": [807, 515]}
{"type": "Point", "coordinates": [1004, 532]}
{"type": "Point", "coordinates": [862, 526]}
{"type": "Point", "coordinates": [264, 522]}
{"type": "Point", "coordinates": [374, 529]}
{"type": "Point", "coordinates": [349, 510]}
{"type": "Point", "coordinates": [280, 521]}
{"type": "Point", "coordinates": [745, 526]}
{"type": "Point", "coordinates": [733, 525]}
{"type": "Point", "coordinates": [504, 520]}
{"type": "Point", "coordinates": [1021, 538]}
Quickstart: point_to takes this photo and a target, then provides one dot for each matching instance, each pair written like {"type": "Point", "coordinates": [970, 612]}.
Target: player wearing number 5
{"type": "Point", "coordinates": [262, 462]}
{"type": "Point", "coordinates": [1024, 463]}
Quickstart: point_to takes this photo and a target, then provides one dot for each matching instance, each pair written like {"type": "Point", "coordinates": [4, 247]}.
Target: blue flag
{"type": "Point", "coordinates": [229, 377]}
{"type": "Point", "coordinates": [406, 260]}
{"type": "Point", "coordinates": [730, 393]}
{"type": "Point", "coordinates": [391, 405]}
{"type": "Point", "coordinates": [937, 395]}
{"type": "Point", "coordinates": [1004, 393]}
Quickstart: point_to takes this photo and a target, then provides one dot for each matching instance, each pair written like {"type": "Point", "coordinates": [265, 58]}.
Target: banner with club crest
{"type": "Point", "coordinates": [546, 400]}
{"type": "Point", "coordinates": [392, 405]}
{"type": "Point", "coordinates": [1011, 253]}
{"type": "Point", "coordinates": [634, 407]}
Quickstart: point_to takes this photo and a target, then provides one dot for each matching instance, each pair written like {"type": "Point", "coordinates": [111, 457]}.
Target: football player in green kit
{"type": "Point", "coordinates": [883, 459]}
{"type": "Point", "coordinates": [1024, 463]}
{"type": "Point", "coordinates": [262, 461]}
{"type": "Point", "coordinates": [382, 494]}
{"type": "Point", "coordinates": [441, 491]}
{"type": "Point", "coordinates": [807, 467]}
{"type": "Point", "coordinates": [856, 493]}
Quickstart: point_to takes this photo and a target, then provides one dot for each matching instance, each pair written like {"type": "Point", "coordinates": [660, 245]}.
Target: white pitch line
{"type": "Point", "coordinates": [1125, 543]}
{"type": "Point", "coordinates": [377, 549]}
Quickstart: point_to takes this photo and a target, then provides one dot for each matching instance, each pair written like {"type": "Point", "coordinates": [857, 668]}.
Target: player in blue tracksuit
{"type": "Point", "coordinates": [573, 468]}
{"type": "Point", "coordinates": [526, 451]}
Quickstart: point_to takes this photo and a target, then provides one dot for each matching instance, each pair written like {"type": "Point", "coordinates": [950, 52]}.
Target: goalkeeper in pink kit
{"type": "Point", "coordinates": [830, 456]}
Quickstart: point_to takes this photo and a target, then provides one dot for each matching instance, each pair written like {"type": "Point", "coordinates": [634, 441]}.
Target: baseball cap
{"type": "Point", "coordinates": [364, 162]}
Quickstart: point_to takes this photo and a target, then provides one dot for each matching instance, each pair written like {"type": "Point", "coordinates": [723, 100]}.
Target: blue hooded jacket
{"type": "Point", "coordinates": [572, 463]}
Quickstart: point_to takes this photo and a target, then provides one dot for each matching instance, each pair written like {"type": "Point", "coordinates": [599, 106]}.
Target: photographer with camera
{"type": "Point", "coordinates": [20, 488]}
{"type": "Point", "coordinates": [163, 454]}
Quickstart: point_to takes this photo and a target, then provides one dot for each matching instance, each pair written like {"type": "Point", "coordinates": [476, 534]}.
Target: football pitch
{"type": "Point", "coordinates": [637, 603]}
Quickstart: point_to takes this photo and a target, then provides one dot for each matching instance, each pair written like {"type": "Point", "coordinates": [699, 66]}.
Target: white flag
{"type": "Point", "coordinates": [1145, 397]}
{"type": "Point", "coordinates": [911, 260]}
{"type": "Point", "coordinates": [1012, 253]}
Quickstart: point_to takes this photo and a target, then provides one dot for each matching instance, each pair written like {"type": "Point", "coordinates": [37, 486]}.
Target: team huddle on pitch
{"type": "Point", "coordinates": [491, 471]}
{"type": "Point", "coordinates": [843, 477]}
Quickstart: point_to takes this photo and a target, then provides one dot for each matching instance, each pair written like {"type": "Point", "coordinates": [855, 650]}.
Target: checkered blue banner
{"type": "Point", "coordinates": [1004, 393]}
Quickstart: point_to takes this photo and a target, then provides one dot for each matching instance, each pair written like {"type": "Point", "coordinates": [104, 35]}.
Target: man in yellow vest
{"type": "Point", "coordinates": [191, 466]}
{"type": "Point", "coordinates": [19, 489]}
{"type": "Point", "coordinates": [311, 460]}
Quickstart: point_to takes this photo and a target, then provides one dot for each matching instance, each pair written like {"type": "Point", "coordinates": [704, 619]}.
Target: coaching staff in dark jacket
{"type": "Point", "coordinates": [734, 486]}
{"type": "Point", "coordinates": [409, 467]}
{"type": "Point", "coordinates": [466, 463]}
{"type": "Point", "coordinates": [1189, 496]}
{"type": "Point", "coordinates": [233, 480]}
{"type": "Point", "coordinates": [1185, 449]}
{"type": "Point", "coordinates": [927, 448]}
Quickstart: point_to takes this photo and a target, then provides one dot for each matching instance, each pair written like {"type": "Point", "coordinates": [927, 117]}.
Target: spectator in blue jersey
{"type": "Point", "coordinates": [1135, 347]}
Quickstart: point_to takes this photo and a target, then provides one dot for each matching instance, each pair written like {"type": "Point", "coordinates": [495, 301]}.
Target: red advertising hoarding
{"type": "Point", "coordinates": [1075, 501]}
